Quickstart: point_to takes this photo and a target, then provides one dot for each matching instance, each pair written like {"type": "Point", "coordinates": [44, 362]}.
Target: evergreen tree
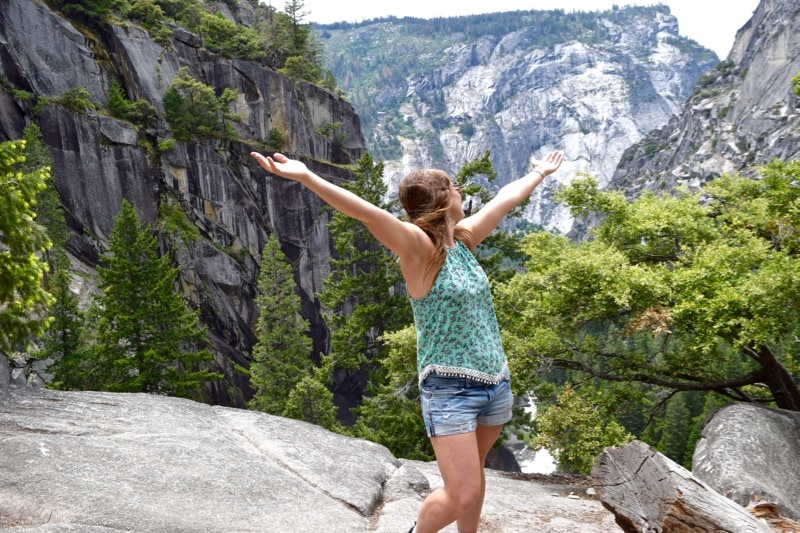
{"type": "Point", "coordinates": [23, 297]}
{"type": "Point", "coordinates": [363, 295]}
{"type": "Point", "coordinates": [676, 430]}
{"type": "Point", "coordinates": [282, 355]}
{"type": "Point", "coordinates": [193, 109]}
{"type": "Point", "coordinates": [391, 414]}
{"type": "Point", "coordinates": [147, 340]}
{"type": "Point", "coordinates": [311, 399]}
{"type": "Point", "coordinates": [64, 340]}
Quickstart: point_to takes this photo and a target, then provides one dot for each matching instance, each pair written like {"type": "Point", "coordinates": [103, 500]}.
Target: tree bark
{"type": "Point", "coordinates": [649, 493]}
{"type": "Point", "coordinates": [785, 390]}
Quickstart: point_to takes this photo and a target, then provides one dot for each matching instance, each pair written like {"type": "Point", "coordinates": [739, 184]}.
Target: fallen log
{"type": "Point", "coordinates": [649, 493]}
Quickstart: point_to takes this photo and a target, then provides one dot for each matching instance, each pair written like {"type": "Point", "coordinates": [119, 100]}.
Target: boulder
{"type": "Point", "coordinates": [751, 454]}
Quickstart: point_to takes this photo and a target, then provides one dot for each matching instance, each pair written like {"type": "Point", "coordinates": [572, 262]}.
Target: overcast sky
{"type": "Point", "coordinates": [712, 23]}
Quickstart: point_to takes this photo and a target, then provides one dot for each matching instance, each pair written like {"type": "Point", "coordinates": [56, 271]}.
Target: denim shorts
{"type": "Point", "coordinates": [453, 405]}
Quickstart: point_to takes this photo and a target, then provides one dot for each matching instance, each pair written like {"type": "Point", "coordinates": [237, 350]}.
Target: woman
{"type": "Point", "coordinates": [464, 379]}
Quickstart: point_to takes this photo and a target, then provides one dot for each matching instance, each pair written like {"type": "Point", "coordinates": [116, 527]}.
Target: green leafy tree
{"type": "Point", "coordinates": [282, 355]}
{"type": "Point", "coordinates": [147, 341]}
{"type": "Point", "coordinates": [575, 430]}
{"type": "Point", "coordinates": [23, 297]}
{"type": "Point", "coordinates": [300, 68]}
{"type": "Point", "coordinates": [691, 292]}
{"type": "Point", "coordinates": [193, 109]}
{"type": "Point", "coordinates": [228, 38]}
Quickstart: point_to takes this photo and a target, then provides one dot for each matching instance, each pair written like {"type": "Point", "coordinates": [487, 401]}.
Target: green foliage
{"type": "Point", "coordinates": [23, 298]}
{"type": "Point", "coordinates": [575, 431]}
{"type": "Point", "coordinates": [177, 222]}
{"type": "Point", "coordinates": [147, 341]}
{"type": "Point", "coordinates": [282, 355]}
{"type": "Point", "coordinates": [796, 84]}
{"type": "Point", "coordinates": [88, 11]}
{"type": "Point", "coordinates": [77, 99]}
{"type": "Point", "coordinates": [311, 400]}
{"type": "Point", "coordinates": [299, 68]}
{"type": "Point", "coordinates": [276, 140]}
{"type": "Point", "coordinates": [118, 103]}
{"type": "Point", "coordinates": [65, 339]}
{"type": "Point", "coordinates": [692, 292]}
{"type": "Point", "coordinates": [148, 13]}
{"type": "Point", "coordinates": [392, 415]}
{"type": "Point", "coordinates": [166, 145]}
{"type": "Point", "coordinates": [361, 295]}
{"type": "Point", "coordinates": [193, 110]}
{"type": "Point", "coordinates": [499, 254]}
{"type": "Point", "coordinates": [140, 112]}
{"type": "Point", "coordinates": [228, 38]}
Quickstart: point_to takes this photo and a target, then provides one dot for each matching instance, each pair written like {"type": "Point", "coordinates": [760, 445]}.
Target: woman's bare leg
{"type": "Point", "coordinates": [486, 436]}
{"type": "Point", "coordinates": [460, 459]}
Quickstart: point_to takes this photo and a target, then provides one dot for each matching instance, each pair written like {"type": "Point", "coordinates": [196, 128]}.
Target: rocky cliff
{"type": "Point", "coordinates": [100, 462]}
{"type": "Point", "coordinates": [741, 114]}
{"type": "Point", "coordinates": [99, 160]}
{"type": "Point", "coordinates": [590, 84]}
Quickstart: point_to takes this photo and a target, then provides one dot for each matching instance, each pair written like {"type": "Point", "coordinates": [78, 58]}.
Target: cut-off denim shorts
{"type": "Point", "coordinates": [453, 405]}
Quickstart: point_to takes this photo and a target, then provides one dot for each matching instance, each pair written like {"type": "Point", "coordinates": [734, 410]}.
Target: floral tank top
{"type": "Point", "coordinates": [457, 331]}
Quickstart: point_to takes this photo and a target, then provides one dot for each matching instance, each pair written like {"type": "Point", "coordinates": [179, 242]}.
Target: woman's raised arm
{"type": "Point", "coordinates": [400, 237]}
{"type": "Point", "coordinates": [482, 223]}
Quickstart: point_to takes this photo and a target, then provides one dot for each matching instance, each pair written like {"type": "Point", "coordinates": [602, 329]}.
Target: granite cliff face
{"type": "Point", "coordinates": [99, 160]}
{"type": "Point", "coordinates": [741, 114]}
{"type": "Point", "coordinates": [589, 84]}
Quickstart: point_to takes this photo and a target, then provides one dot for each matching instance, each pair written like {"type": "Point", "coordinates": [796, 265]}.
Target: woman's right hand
{"type": "Point", "coordinates": [282, 166]}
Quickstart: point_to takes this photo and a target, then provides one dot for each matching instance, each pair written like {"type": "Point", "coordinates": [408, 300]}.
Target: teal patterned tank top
{"type": "Point", "coordinates": [457, 331]}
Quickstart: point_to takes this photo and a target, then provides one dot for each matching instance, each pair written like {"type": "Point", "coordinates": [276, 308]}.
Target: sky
{"type": "Point", "coordinates": [712, 23]}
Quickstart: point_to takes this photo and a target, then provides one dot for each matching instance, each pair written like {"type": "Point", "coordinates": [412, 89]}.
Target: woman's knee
{"type": "Point", "coordinates": [466, 496]}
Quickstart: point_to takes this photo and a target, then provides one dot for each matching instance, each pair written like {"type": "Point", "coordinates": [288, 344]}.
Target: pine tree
{"type": "Point", "coordinates": [147, 340]}
{"type": "Point", "coordinates": [676, 430]}
{"type": "Point", "coordinates": [311, 399]}
{"type": "Point", "coordinates": [363, 295]}
{"type": "Point", "coordinates": [282, 355]}
{"type": "Point", "coordinates": [64, 339]}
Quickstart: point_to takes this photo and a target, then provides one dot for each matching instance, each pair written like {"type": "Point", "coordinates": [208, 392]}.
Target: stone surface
{"type": "Point", "coordinates": [752, 454]}
{"type": "Point", "coordinates": [100, 462]}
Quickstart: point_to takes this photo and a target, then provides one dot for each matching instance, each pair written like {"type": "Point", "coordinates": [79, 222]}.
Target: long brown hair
{"type": "Point", "coordinates": [425, 195]}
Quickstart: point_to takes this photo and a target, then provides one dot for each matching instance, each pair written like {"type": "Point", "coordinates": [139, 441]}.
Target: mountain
{"type": "Point", "coordinates": [212, 183]}
{"type": "Point", "coordinates": [441, 92]}
{"type": "Point", "coordinates": [743, 113]}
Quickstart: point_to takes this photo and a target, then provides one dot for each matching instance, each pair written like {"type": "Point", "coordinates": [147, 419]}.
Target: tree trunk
{"type": "Point", "coordinates": [649, 493]}
{"type": "Point", "coordinates": [784, 388]}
